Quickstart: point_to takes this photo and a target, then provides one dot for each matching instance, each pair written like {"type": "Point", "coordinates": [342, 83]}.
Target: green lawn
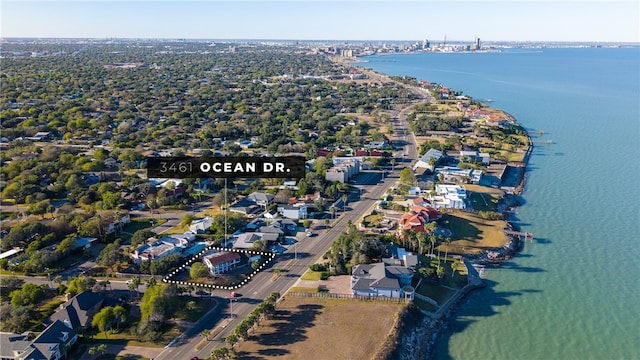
{"type": "Point", "coordinates": [139, 224]}
{"type": "Point", "coordinates": [372, 220]}
{"type": "Point", "coordinates": [311, 275]}
{"type": "Point", "coordinates": [435, 291]}
{"type": "Point", "coordinates": [471, 233]}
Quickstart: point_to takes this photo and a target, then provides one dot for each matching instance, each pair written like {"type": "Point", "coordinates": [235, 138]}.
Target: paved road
{"type": "Point", "coordinates": [295, 261]}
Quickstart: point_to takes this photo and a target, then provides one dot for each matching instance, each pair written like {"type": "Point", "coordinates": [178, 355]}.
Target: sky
{"type": "Point", "coordinates": [502, 20]}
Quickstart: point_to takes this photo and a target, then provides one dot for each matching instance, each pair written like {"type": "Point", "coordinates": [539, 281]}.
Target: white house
{"type": "Point", "coordinates": [426, 162]}
{"type": "Point", "coordinates": [221, 262]}
{"type": "Point", "coordinates": [199, 226]}
{"type": "Point", "coordinates": [293, 212]}
{"type": "Point", "coordinates": [449, 197]}
{"type": "Point", "coordinates": [167, 245]}
{"type": "Point", "coordinates": [456, 175]}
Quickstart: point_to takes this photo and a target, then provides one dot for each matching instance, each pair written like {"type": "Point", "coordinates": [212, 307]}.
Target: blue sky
{"type": "Point", "coordinates": [540, 20]}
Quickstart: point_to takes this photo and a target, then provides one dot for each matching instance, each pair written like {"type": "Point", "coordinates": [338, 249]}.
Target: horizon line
{"type": "Point", "coordinates": [306, 40]}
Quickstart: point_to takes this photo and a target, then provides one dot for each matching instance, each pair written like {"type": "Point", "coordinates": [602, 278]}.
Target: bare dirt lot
{"type": "Point", "coordinates": [321, 328]}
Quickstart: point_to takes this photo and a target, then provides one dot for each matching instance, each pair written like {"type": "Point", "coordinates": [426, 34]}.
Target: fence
{"type": "Point", "coordinates": [324, 294]}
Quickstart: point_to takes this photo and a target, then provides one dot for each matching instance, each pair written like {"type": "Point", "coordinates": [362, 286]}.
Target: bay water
{"type": "Point", "coordinates": [574, 292]}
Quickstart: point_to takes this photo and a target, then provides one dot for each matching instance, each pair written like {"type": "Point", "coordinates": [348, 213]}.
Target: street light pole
{"type": "Point", "coordinates": [231, 303]}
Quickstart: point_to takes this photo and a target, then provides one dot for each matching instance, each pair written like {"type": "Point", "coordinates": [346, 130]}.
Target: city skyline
{"type": "Point", "coordinates": [537, 21]}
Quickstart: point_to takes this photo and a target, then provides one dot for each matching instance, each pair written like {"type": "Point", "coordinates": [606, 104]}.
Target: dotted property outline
{"type": "Point", "coordinates": [167, 278]}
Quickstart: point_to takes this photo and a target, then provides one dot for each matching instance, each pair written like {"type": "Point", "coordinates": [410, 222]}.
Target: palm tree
{"type": "Point", "coordinates": [422, 241]}
{"type": "Point", "coordinates": [135, 281]}
{"type": "Point", "coordinates": [344, 201]}
{"type": "Point", "coordinates": [454, 267]}
{"type": "Point", "coordinates": [432, 240]}
{"type": "Point", "coordinates": [446, 251]}
{"type": "Point", "coordinates": [332, 210]}
{"type": "Point", "coordinates": [205, 334]}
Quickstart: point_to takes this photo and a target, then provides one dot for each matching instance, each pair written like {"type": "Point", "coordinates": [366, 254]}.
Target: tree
{"type": "Point", "coordinates": [232, 340]}
{"type": "Point", "coordinates": [222, 353]}
{"type": "Point", "coordinates": [103, 319]}
{"type": "Point", "coordinates": [120, 315]}
{"type": "Point", "coordinates": [187, 219]}
{"type": "Point", "coordinates": [134, 283]}
{"type": "Point", "coordinates": [29, 294]}
{"type": "Point", "coordinates": [407, 177]}
{"type": "Point", "coordinates": [66, 245]}
{"type": "Point", "coordinates": [16, 319]}
{"type": "Point", "coordinates": [307, 224]}
{"type": "Point", "coordinates": [198, 270]}
{"type": "Point", "coordinates": [110, 255]}
{"type": "Point", "coordinates": [151, 282]}
{"type": "Point", "coordinates": [80, 284]}
{"type": "Point", "coordinates": [454, 266]}
{"type": "Point", "coordinates": [98, 350]}
{"type": "Point", "coordinates": [140, 236]}
{"type": "Point", "coordinates": [440, 271]}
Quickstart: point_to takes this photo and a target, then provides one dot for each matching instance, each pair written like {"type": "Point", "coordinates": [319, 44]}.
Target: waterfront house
{"type": "Point", "coordinates": [449, 196]}
{"type": "Point", "coordinates": [381, 280]}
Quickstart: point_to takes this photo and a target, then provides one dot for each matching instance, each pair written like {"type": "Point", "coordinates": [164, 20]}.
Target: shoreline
{"type": "Point", "coordinates": [423, 337]}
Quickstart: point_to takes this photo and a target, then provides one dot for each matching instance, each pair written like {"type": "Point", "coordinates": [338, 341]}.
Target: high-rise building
{"type": "Point", "coordinates": [477, 45]}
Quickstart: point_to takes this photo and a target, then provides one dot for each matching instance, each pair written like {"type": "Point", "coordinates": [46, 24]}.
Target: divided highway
{"type": "Point", "coordinates": [295, 261]}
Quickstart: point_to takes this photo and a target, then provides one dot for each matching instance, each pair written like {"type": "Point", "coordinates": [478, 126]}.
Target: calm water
{"type": "Point", "coordinates": [573, 293]}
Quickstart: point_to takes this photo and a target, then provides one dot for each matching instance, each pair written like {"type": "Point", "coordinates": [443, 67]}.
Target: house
{"type": "Point", "coordinates": [475, 157]}
{"type": "Point", "coordinates": [400, 256]}
{"type": "Point", "coordinates": [456, 175]}
{"type": "Point", "coordinates": [245, 240]}
{"type": "Point", "coordinates": [51, 344]}
{"type": "Point", "coordinates": [116, 224]}
{"type": "Point", "coordinates": [199, 226]}
{"type": "Point", "coordinates": [79, 310]}
{"type": "Point", "coordinates": [381, 279]}
{"type": "Point", "coordinates": [11, 253]}
{"type": "Point", "coordinates": [41, 136]}
{"type": "Point", "coordinates": [426, 161]}
{"type": "Point", "coordinates": [376, 144]}
{"type": "Point", "coordinates": [261, 199]}
{"type": "Point", "coordinates": [418, 217]}
{"type": "Point", "coordinates": [221, 262]}
{"type": "Point", "coordinates": [245, 206]}
{"type": "Point", "coordinates": [167, 245]}
{"type": "Point", "coordinates": [449, 196]}
{"type": "Point", "coordinates": [84, 243]}
{"type": "Point", "coordinates": [293, 212]}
